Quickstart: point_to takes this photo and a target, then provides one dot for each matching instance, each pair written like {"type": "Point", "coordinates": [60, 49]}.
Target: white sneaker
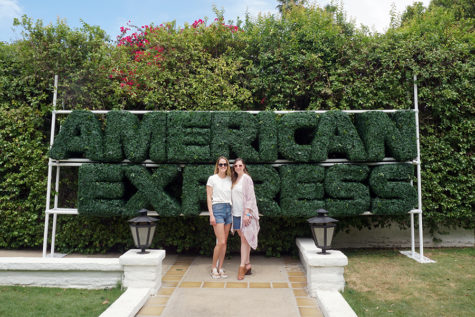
{"type": "Point", "coordinates": [222, 274]}
{"type": "Point", "coordinates": [214, 274]}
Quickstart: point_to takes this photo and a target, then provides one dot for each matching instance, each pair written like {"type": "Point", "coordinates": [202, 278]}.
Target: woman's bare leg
{"type": "Point", "coordinates": [226, 229]}
{"type": "Point", "coordinates": [245, 249]}
{"type": "Point", "coordinates": [220, 242]}
{"type": "Point", "coordinates": [222, 232]}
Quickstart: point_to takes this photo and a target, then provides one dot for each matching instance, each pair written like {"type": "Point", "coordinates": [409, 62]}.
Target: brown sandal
{"type": "Point", "coordinates": [248, 270]}
{"type": "Point", "coordinates": [241, 272]}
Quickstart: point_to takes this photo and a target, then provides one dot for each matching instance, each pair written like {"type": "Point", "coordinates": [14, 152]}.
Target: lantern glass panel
{"type": "Point", "coordinates": [140, 237]}
{"type": "Point", "coordinates": [133, 229]}
{"type": "Point", "coordinates": [319, 233]}
{"type": "Point", "coordinates": [152, 232]}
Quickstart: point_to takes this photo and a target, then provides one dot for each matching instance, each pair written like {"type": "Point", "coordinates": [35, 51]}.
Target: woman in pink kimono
{"type": "Point", "coordinates": [245, 214]}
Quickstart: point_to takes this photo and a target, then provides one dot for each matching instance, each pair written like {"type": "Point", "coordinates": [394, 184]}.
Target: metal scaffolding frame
{"type": "Point", "coordinates": [56, 210]}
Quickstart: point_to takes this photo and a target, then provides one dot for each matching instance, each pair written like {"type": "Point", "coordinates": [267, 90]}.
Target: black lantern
{"type": "Point", "coordinates": [143, 229]}
{"type": "Point", "coordinates": [322, 228]}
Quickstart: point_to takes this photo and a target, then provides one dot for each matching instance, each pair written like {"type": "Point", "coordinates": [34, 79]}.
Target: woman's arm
{"type": "Point", "coordinates": [209, 201]}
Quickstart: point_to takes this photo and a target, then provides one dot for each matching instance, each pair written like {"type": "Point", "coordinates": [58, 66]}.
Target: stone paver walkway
{"type": "Point", "coordinates": [276, 288]}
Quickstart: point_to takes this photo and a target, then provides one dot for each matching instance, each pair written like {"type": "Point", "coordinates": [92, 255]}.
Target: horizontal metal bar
{"type": "Point", "coordinates": [62, 211]}
{"type": "Point", "coordinates": [148, 163]}
{"type": "Point", "coordinates": [249, 111]}
{"type": "Point", "coordinates": [74, 211]}
{"type": "Point", "coordinates": [415, 211]}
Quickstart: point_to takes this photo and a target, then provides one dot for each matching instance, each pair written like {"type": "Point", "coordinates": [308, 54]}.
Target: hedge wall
{"type": "Point", "coordinates": [289, 190]}
{"type": "Point", "coordinates": [199, 137]}
{"type": "Point", "coordinates": [310, 58]}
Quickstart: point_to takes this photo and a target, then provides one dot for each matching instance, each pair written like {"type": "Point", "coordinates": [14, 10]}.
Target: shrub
{"type": "Point", "coordinates": [302, 189]}
{"type": "Point", "coordinates": [391, 183]}
{"type": "Point", "coordinates": [348, 195]}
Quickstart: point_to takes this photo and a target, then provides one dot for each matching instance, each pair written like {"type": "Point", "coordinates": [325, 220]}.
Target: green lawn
{"type": "Point", "coordinates": [38, 301]}
{"type": "Point", "coordinates": [387, 283]}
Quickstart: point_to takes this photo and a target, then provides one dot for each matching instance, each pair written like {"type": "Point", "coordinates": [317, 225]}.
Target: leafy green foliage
{"type": "Point", "coordinates": [337, 135]}
{"type": "Point", "coordinates": [100, 190]}
{"type": "Point", "coordinates": [23, 166]}
{"type": "Point", "coordinates": [310, 58]}
{"type": "Point", "coordinates": [377, 130]}
{"type": "Point", "coordinates": [127, 137]}
{"type": "Point", "coordinates": [189, 137]}
{"type": "Point", "coordinates": [292, 147]}
{"type": "Point", "coordinates": [348, 196]}
{"type": "Point", "coordinates": [391, 184]}
{"type": "Point", "coordinates": [81, 133]}
{"type": "Point", "coordinates": [302, 189]}
{"type": "Point", "coordinates": [194, 188]}
{"type": "Point", "coordinates": [162, 67]}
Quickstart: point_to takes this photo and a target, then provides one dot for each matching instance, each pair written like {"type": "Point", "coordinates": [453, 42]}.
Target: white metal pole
{"type": "Point", "coordinates": [413, 244]}
{"type": "Point", "coordinates": [55, 206]}
{"type": "Point", "coordinates": [50, 167]}
{"type": "Point", "coordinates": [45, 234]}
{"type": "Point", "coordinates": [56, 188]}
{"type": "Point", "coordinates": [53, 233]}
{"type": "Point", "coordinates": [419, 183]}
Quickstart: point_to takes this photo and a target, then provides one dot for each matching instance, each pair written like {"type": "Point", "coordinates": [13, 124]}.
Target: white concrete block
{"type": "Point", "coordinates": [88, 279]}
{"type": "Point", "coordinates": [59, 264]}
{"type": "Point", "coordinates": [328, 271]}
{"type": "Point", "coordinates": [128, 304]}
{"type": "Point", "coordinates": [324, 271]}
{"type": "Point", "coordinates": [141, 275]}
{"type": "Point", "coordinates": [307, 245]}
{"type": "Point", "coordinates": [148, 269]}
{"type": "Point", "coordinates": [131, 257]}
{"type": "Point", "coordinates": [90, 273]}
{"type": "Point", "coordinates": [310, 252]}
{"type": "Point", "coordinates": [142, 270]}
{"type": "Point", "coordinates": [152, 285]}
{"type": "Point", "coordinates": [332, 304]}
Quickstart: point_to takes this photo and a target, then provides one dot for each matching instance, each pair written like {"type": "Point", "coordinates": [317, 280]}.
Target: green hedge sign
{"type": "Point", "coordinates": [184, 145]}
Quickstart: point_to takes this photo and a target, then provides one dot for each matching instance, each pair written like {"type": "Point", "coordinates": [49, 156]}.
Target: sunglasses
{"type": "Point", "coordinates": [222, 164]}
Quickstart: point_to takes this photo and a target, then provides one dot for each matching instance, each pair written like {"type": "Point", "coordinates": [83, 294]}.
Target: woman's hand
{"type": "Point", "coordinates": [246, 220]}
{"type": "Point", "coordinates": [212, 221]}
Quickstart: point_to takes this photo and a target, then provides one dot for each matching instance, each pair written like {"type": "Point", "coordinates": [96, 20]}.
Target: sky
{"type": "Point", "coordinates": [111, 15]}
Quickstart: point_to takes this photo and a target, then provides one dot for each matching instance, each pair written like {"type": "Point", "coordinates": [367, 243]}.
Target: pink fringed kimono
{"type": "Point", "coordinates": [250, 231]}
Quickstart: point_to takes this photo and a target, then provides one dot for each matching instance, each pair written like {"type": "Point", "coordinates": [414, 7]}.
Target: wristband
{"type": "Point", "coordinates": [248, 214]}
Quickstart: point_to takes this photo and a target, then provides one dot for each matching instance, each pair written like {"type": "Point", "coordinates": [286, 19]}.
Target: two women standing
{"type": "Point", "coordinates": [236, 188]}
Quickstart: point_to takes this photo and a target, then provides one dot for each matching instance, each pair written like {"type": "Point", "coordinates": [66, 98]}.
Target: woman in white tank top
{"type": "Point", "coordinates": [218, 197]}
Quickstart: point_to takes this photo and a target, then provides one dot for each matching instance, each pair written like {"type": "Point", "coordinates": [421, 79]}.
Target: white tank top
{"type": "Point", "coordinates": [221, 189]}
{"type": "Point", "coordinates": [238, 199]}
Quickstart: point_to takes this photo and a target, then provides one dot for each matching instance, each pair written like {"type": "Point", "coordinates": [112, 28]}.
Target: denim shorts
{"type": "Point", "coordinates": [236, 223]}
{"type": "Point", "coordinates": [222, 213]}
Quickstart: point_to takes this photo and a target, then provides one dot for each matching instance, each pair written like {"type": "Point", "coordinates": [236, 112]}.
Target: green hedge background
{"type": "Point", "coordinates": [104, 189]}
{"type": "Point", "coordinates": [200, 136]}
{"type": "Point", "coordinates": [344, 190]}
{"type": "Point", "coordinates": [308, 58]}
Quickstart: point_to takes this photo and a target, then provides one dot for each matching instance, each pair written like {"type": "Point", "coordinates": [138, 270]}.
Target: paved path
{"type": "Point", "coordinates": [276, 288]}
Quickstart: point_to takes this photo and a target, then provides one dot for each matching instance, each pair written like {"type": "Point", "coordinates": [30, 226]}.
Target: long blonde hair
{"type": "Point", "coordinates": [234, 175]}
{"type": "Point", "coordinates": [228, 168]}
